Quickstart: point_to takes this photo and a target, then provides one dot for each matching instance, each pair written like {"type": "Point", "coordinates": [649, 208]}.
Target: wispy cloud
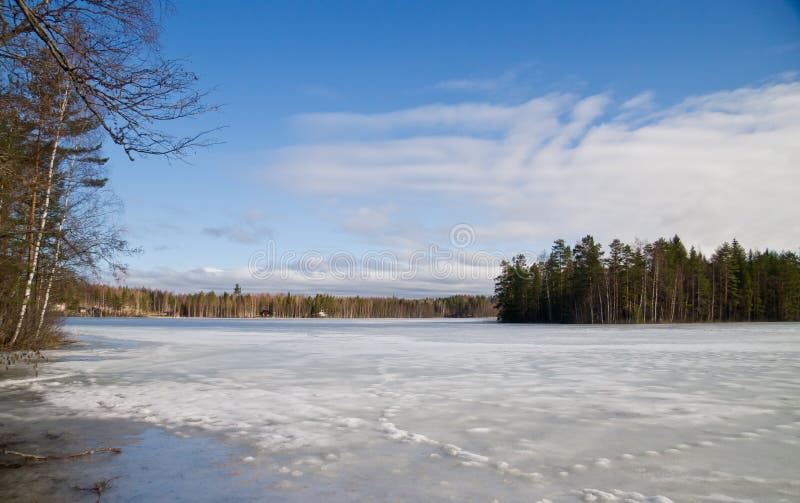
{"type": "Point", "coordinates": [366, 281]}
{"type": "Point", "coordinates": [711, 167]}
{"type": "Point", "coordinates": [464, 117]}
{"type": "Point", "coordinates": [487, 84]}
{"type": "Point", "coordinates": [366, 220]}
{"type": "Point", "coordinates": [507, 79]}
{"type": "Point", "coordinates": [641, 100]}
{"type": "Point", "coordinates": [245, 228]}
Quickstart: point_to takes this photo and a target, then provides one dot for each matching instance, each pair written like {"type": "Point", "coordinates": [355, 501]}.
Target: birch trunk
{"type": "Point", "coordinates": [45, 208]}
{"type": "Point", "coordinates": [57, 251]}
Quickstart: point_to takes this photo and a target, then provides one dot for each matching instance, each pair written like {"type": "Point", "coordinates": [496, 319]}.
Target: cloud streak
{"type": "Point", "coordinates": [709, 168]}
{"type": "Point", "coordinates": [372, 282]}
{"type": "Point", "coordinates": [506, 80]}
{"type": "Point", "coordinates": [246, 228]}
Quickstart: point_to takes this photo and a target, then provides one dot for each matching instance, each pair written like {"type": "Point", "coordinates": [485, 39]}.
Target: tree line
{"type": "Point", "coordinates": [104, 300]}
{"type": "Point", "coordinates": [71, 75]}
{"type": "Point", "coordinates": [649, 283]}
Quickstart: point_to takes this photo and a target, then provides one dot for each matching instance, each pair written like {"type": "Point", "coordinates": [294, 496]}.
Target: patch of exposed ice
{"type": "Point", "coordinates": [619, 495]}
{"type": "Point", "coordinates": [722, 498]}
{"type": "Point", "coordinates": [351, 422]}
{"type": "Point", "coordinates": [285, 485]}
{"type": "Point", "coordinates": [8, 383]}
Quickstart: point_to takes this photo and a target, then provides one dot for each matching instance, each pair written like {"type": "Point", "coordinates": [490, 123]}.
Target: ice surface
{"type": "Point", "coordinates": [447, 410]}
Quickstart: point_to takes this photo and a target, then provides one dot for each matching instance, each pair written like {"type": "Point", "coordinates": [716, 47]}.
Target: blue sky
{"type": "Point", "coordinates": [375, 128]}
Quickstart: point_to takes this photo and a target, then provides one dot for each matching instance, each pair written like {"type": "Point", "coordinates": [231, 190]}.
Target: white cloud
{"type": "Point", "coordinates": [476, 84]}
{"type": "Point", "coordinates": [366, 220]}
{"type": "Point", "coordinates": [378, 273]}
{"type": "Point", "coordinates": [641, 100]}
{"type": "Point", "coordinates": [472, 118]}
{"type": "Point", "coordinates": [709, 168]}
{"type": "Point", "coordinates": [507, 79]}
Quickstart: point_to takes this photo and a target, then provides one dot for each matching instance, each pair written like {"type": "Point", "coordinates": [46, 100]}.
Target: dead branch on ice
{"type": "Point", "coordinates": [39, 457]}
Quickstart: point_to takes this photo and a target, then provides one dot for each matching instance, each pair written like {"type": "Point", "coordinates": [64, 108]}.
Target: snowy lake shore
{"type": "Point", "coordinates": [409, 410]}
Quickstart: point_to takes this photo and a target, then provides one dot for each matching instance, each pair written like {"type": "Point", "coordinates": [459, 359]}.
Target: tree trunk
{"type": "Point", "coordinates": [57, 251]}
{"type": "Point", "coordinates": [45, 208]}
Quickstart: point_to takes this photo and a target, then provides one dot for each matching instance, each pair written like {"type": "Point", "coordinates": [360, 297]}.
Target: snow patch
{"type": "Point", "coordinates": [597, 495]}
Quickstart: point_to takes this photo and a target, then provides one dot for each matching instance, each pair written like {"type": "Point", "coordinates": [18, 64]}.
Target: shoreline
{"type": "Point", "coordinates": [154, 464]}
{"type": "Point", "coordinates": [320, 318]}
{"type": "Point", "coordinates": [447, 318]}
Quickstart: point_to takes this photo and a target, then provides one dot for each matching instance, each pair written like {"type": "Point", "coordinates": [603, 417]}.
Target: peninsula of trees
{"type": "Point", "coordinates": [103, 300]}
{"type": "Point", "coordinates": [658, 282]}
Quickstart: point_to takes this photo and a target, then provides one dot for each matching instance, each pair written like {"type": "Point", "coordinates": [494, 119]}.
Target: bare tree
{"type": "Point", "coordinates": [109, 52]}
{"type": "Point", "coordinates": [69, 69]}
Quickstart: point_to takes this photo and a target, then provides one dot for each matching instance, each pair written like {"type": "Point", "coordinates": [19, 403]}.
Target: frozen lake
{"type": "Point", "coordinates": [442, 410]}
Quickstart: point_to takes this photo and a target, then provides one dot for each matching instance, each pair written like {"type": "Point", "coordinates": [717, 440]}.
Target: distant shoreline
{"type": "Point", "coordinates": [88, 299]}
{"type": "Point", "coordinates": [282, 318]}
{"type": "Point", "coordinates": [447, 318]}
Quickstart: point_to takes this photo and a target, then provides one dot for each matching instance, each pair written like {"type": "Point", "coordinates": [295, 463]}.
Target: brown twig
{"type": "Point", "coordinates": [39, 457]}
{"type": "Point", "coordinates": [98, 487]}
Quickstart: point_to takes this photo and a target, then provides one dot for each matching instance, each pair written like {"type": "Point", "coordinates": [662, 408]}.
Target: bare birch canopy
{"type": "Point", "coordinates": [70, 70]}
{"type": "Point", "coordinates": [110, 53]}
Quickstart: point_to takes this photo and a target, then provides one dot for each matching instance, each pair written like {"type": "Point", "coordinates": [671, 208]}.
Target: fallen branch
{"type": "Point", "coordinates": [38, 457]}
{"type": "Point", "coordinates": [99, 487]}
